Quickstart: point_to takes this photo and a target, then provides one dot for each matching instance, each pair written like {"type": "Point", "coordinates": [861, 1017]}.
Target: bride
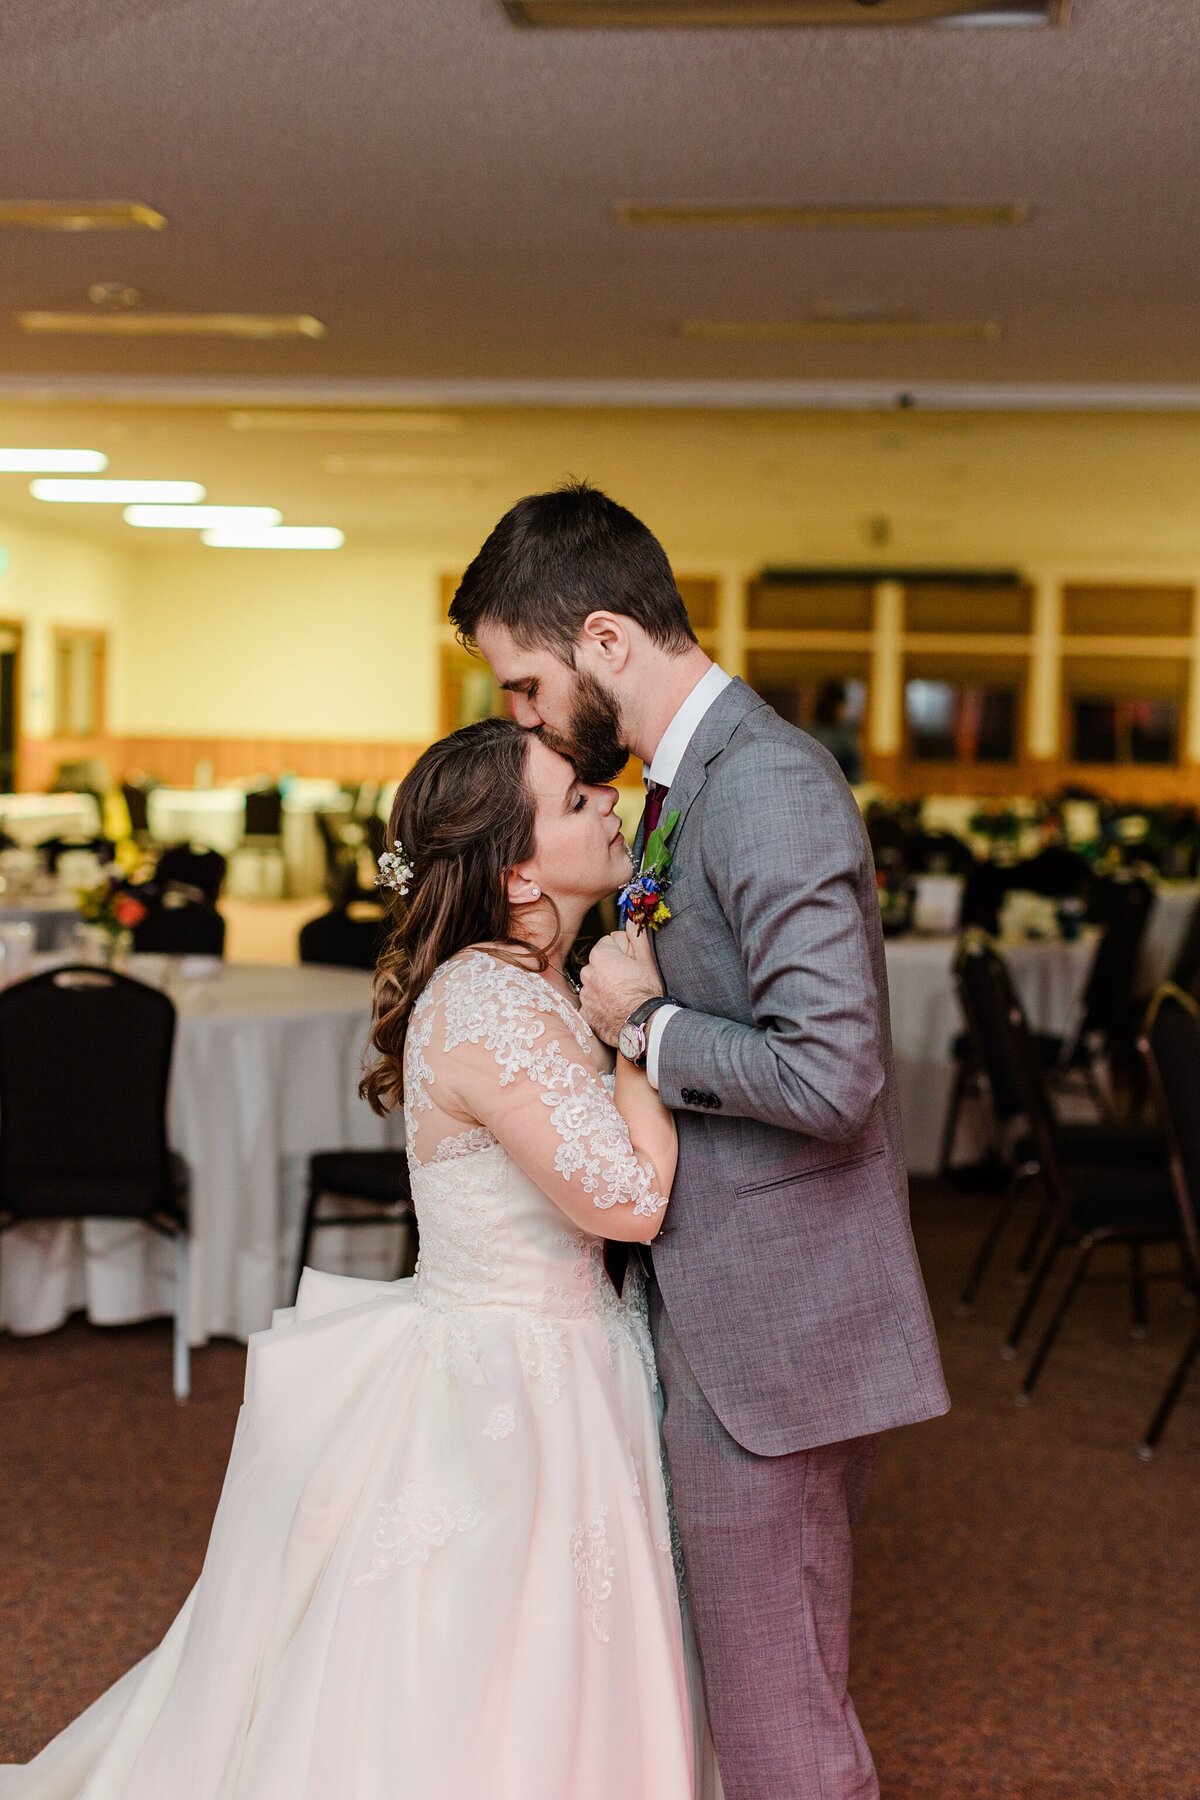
{"type": "Point", "coordinates": [441, 1567]}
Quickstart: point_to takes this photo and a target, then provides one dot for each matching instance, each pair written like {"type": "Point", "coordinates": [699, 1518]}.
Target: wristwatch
{"type": "Point", "coordinates": [633, 1038]}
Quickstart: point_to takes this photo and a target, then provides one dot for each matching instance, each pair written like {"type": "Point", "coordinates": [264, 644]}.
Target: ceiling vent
{"type": "Point", "coordinates": [671, 14]}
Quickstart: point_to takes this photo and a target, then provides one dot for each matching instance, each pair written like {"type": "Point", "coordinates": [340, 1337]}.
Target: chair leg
{"type": "Point", "coordinates": [306, 1232]}
{"type": "Point", "coordinates": [958, 1094]}
{"type": "Point", "coordinates": [1149, 1443]}
{"type": "Point", "coordinates": [1139, 1294]}
{"type": "Point", "coordinates": [1033, 1292]}
{"type": "Point", "coordinates": [987, 1248]}
{"type": "Point", "coordinates": [181, 1371]}
{"type": "Point", "coordinates": [1037, 1233]}
{"type": "Point", "coordinates": [1071, 1288]}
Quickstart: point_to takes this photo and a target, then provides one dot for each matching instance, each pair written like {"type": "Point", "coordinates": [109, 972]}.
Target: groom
{"type": "Point", "coordinates": [788, 1311]}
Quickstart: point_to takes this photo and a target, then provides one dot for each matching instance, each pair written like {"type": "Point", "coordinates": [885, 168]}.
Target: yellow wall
{"type": "Point", "coordinates": [272, 644]}
{"type": "Point", "coordinates": [55, 579]}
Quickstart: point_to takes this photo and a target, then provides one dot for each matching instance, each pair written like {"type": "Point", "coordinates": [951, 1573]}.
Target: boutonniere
{"type": "Point", "coordinates": [642, 900]}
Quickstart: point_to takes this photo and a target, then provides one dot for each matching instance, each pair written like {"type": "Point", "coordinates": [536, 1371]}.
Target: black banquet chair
{"type": "Point", "coordinates": [180, 923]}
{"type": "Point", "coordinates": [988, 1000]}
{"type": "Point", "coordinates": [341, 941]}
{"type": "Point", "coordinates": [93, 1047]}
{"type": "Point", "coordinates": [1170, 1043]}
{"type": "Point", "coordinates": [375, 1183]}
{"type": "Point", "coordinates": [182, 866]}
{"type": "Point", "coordinates": [55, 848]}
{"type": "Point", "coordinates": [1093, 1202]}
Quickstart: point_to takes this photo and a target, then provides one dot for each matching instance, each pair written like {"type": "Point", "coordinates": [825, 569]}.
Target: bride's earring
{"type": "Point", "coordinates": [535, 893]}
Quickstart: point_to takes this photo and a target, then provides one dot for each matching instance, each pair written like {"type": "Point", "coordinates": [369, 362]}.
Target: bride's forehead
{"type": "Point", "coordinates": [550, 775]}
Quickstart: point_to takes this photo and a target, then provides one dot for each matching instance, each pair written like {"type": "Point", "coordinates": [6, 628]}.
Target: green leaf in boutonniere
{"type": "Point", "coordinates": [656, 857]}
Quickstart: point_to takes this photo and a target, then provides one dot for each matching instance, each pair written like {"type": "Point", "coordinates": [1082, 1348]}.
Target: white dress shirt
{"type": "Point", "coordinates": [664, 767]}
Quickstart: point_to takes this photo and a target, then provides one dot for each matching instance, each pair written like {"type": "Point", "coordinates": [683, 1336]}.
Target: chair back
{"type": "Point", "coordinates": [1123, 907]}
{"type": "Point", "coordinates": [1185, 972]}
{"type": "Point", "coordinates": [55, 848]}
{"type": "Point", "coordinates": [939, 853]}
{"type": "Point", "coordinates": [986, 995]}
{"type": "Point", "coordinates": [1056, 872]}
{"type": "Point", "coordinates": [264, 813]}
{"type": "Point", "coordinates": [85, 1057]}
{"type": "Point", "coordinates": [342, 942]}
{"type": "Point", "coordinates": [137, 805]}
{"type": "Point", "coordinates": [203, 869]}
{"type": "Point", "coordinates": [1008, 1050]}
{"type": "Point", "coordinates": [180, 924]}
{"type": "Point", "coordinates": [983, 895]}
{"type": "Point", "coordinates": [1170, 1043]}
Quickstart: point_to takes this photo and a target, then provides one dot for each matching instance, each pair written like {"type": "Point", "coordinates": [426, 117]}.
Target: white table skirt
{"type": "Point", "coordinates": [1050, 978]}
{"type": "Point", "coordinates": [1174, 903]}
{"type": "Point", "coordinates": [30, 819]}
{"type": "Point", "coordinates": [265, 1071]}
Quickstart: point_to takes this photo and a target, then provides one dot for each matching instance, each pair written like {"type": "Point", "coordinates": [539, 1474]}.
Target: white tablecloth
{"type": "Point", "coordinates": [217, 817]}
{"type": "Point", "coordinates": [265, 1071]}
{"type": "Point", "coordinates": [32, 818]}
{"type": "Point", "coordinates": [1174, 903]}
{"type": "Point", "coordinates": [53, 916]}
{"type": "Point", "coordinates": [1050, 977]}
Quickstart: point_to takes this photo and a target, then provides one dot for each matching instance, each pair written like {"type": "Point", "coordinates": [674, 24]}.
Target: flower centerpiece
{"type": "Point", "coordinates": [114, 906]}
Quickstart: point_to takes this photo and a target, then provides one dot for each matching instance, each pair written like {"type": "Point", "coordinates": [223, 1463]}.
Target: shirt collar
{"type": "Point", "coordinates": [679, 733]}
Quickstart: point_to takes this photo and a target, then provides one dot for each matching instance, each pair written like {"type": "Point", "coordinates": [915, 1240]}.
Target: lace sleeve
{"type": "Point", "coordinates": [515, 1056]}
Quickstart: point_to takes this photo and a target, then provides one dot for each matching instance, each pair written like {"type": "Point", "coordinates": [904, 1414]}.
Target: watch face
{"type": "Point", "coordinates": [631, 1041]}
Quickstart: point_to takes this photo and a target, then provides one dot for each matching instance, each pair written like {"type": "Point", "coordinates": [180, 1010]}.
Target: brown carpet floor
{"type": "Point", "coordinates": [1028, 1592]}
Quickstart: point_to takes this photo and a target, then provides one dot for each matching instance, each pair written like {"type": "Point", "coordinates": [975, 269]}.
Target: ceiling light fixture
{"type": "Point", "coordinates": [288, 419]}
{"type": "Point", "coordinates": [281, 537]}
{"type": "Point", "coordinates": [203, 518]}
{"type": "Point", "coordinates": [78, 215]}
{"type": "Point", "coordinates": [52, 462]}
{"type": "Point", "coordinates": [937, 215]}
{"type": "Point", "coordinates": [842, 331]}
{"type": "Point", "coordinates": [119, 493]}
{"type": "Point", "coordinates": [746, 14]}
{"type": "Point", "coordinates": [256, 326]}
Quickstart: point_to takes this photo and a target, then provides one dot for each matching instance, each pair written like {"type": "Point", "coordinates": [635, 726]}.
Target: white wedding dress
{"type": "Point", "coordinates": [441, 1567]}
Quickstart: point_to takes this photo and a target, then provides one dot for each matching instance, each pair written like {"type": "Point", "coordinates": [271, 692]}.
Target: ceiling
{"type": "Point", "coordinates": [742, 487]}
{"type": "Point", "coordinates": [438, 187]}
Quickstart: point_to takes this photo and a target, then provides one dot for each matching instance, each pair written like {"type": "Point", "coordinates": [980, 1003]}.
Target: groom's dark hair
{"type": "Point", "coordinates": [554, 558]}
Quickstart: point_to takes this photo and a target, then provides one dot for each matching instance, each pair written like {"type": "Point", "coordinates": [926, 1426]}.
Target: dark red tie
{"type": "Point", "coordinates": [656, 793]}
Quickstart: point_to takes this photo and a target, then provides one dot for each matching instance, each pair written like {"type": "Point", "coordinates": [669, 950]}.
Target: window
{"type": "Point", "coordinates": [79, 683]}
{"type": "Point", "coordinates": [1124, 731]}
{"type": "Point", "coordinates": [951, 721]}
{"type": "Point", "coordinates": [1125, 710]}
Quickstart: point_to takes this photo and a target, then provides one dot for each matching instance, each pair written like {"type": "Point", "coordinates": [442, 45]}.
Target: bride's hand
{"type": "Point", "coordinates": [619, 974]}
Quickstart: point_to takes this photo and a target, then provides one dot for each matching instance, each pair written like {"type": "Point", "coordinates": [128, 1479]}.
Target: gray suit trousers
{"type": "Point", "coordinates": [767, 1551]}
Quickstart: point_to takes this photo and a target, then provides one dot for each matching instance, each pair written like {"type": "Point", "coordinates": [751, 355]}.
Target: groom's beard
{"type": "Point", "coordinates": [593, 739]}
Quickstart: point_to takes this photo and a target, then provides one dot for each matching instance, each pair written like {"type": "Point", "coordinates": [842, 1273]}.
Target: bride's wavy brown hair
{"type": "Point", "coordinates": [466, 816]}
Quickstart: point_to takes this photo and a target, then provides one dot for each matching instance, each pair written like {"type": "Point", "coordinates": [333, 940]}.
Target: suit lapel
{"type": "Point", "coordinates": [711, 736]}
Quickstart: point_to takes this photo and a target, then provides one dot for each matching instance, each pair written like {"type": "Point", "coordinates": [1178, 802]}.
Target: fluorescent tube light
{"type": "Point", "coordinates": [52, 462]}
{"type": "Point", "coordinates": [119, 493]}
{"type": "Point", "coordinates": [203, 518]}
{"type": "Point", "coordinates": [78, 215]}
{"type": "Point", "coordinates": [281, 537]}
{"type": "Point", "coordinates": [256, 326]}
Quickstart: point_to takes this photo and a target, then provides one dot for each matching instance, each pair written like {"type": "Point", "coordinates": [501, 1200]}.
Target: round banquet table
{"type": "Point", "coordinates": [265, 1071]}
{"type": "Point", "coordinates": [1049, 977]}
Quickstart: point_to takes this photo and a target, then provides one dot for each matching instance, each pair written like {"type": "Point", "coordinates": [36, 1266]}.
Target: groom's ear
{"type": "Point", "coordinates": [605, 641]}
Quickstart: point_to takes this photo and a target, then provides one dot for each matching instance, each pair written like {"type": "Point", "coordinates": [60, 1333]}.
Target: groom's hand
{"type": "Point", "coordinates": [619, 974]}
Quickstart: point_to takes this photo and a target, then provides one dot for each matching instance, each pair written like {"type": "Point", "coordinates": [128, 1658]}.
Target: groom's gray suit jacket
{"type": "Point", "coordinates": [786, 1261]}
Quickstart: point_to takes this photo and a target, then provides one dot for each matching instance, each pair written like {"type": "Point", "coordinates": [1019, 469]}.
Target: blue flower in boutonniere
{"type": "Point", "coordinates": [643, 899]}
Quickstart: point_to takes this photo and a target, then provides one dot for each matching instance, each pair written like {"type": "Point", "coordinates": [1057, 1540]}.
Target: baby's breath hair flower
{"type": "Point", "coordinates": [395, 869]}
